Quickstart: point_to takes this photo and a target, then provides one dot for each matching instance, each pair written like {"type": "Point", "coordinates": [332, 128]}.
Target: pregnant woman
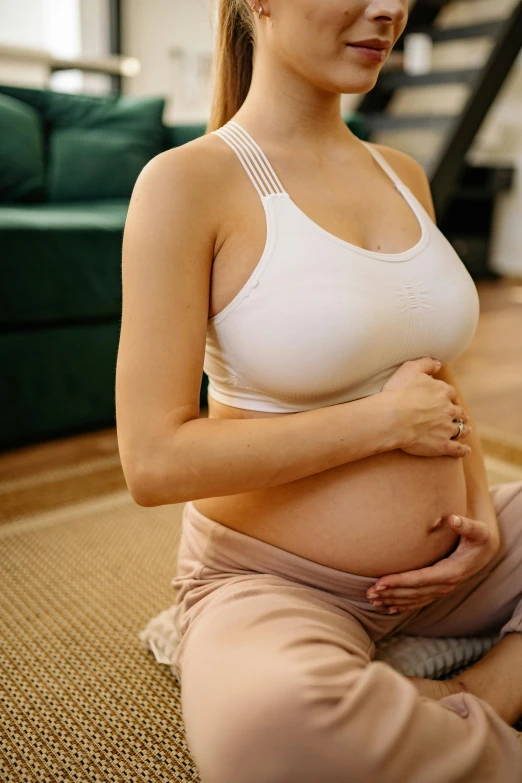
{"type": "Point", "coordinates": [302, 268]}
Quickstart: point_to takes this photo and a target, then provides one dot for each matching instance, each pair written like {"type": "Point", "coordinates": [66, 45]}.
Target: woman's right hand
{"type": "Point", "coordinates": [427, 408]}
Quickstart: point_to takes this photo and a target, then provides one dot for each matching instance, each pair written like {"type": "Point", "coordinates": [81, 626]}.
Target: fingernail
{"type": "Point", "coordinates": [392, 611]}
{"type": "Point", "coordinates": [457, 521]}
{"type": "Point", "coordinates": [382, 587]}
{"type": "Point", "coordinates": [376, 603]}
{"type": "Point", "coordinates": [373, 595]}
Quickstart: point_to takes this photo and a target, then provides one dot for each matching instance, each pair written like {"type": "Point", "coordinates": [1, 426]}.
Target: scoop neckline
{"type": "Point", "coordinates": [403, 256]}
{"type": "Point", "coordinates": [414, 205]}
{"type": "Point", "coordinates": [411, 200]}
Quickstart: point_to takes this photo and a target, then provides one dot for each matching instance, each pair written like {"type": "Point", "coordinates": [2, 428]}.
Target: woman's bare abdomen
{"type": "Point", "coordinates": [375, 516]}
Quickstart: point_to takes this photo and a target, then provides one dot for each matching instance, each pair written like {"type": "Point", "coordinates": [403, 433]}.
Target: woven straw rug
{"type": "Point", "coordinates": [81, 699]}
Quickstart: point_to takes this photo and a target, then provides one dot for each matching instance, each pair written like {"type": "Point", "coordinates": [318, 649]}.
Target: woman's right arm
{"type": "Point", "coordinates": [169, 454]}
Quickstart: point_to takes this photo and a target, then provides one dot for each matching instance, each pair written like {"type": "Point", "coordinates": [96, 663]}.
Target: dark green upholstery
{"type": "Point", "coordinates": [22, 165]}
{"type": "Point", "coordinates": [68, 164]}
{"type": "Point", "coordinates": [60, 262]}
{"type": "Point", "coordinates": [105, 139]}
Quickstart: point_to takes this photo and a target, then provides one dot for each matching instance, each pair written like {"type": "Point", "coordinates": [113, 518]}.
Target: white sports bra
{"type": "Point", "coordinates": [321, 321]}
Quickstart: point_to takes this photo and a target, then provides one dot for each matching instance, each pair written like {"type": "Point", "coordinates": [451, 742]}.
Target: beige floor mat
{"type": "Point", "coordinates": [81, 699]}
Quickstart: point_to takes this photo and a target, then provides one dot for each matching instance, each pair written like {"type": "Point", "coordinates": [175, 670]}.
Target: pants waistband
{"type": "Point", "coordinates": [229, 551]}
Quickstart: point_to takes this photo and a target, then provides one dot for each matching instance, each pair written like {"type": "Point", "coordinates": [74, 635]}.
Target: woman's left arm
{"type": "Point", "coordinates": [478, 499]}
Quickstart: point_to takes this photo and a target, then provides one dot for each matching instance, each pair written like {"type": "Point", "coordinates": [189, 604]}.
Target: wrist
{"type": "Point", "coordinates": [484, 511]}
{"type": "Point", "coordinates": [390, 412]}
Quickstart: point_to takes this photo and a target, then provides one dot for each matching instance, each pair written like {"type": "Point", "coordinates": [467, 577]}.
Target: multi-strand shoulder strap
{"type": "Point", "coordinates": [252, 157]}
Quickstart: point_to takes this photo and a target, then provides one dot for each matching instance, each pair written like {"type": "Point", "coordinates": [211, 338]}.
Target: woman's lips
{"type": "Point", "coordinates": [377, 55]}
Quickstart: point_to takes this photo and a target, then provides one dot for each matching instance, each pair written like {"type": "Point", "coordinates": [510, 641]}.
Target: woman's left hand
{"type": "Point", "coordinates": [415, 589]}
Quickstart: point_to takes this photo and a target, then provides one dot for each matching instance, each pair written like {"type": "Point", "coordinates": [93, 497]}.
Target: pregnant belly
{"type": "Point", "coordinates": [376, 516]}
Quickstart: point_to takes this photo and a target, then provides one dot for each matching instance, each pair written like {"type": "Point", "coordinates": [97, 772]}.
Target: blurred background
{"type": "Point", "coordinates": [90, 90]}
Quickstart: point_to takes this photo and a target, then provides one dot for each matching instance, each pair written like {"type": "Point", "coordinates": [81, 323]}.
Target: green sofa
{"type": "Point", "coordinates": [68, 164]}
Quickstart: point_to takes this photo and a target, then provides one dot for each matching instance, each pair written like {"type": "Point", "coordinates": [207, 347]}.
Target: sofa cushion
{"type": "Point", "coordinates": [132, 127]}
{"type": "Point", "coordinates": [106, 163]}
{"type": "Point", "coordinates": [57, 381]}
{"type": "Point", "coordinates": [176, 135]}
{"type": "Point", "coordinates": [61, 262]}
{"type": "Point", "coordinates": [22, 172]}
{"type": "Point", "coordinates": [88, 132]}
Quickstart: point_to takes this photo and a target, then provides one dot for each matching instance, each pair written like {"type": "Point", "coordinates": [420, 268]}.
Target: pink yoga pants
{"type": "Point", "coordinates": [278, 681]}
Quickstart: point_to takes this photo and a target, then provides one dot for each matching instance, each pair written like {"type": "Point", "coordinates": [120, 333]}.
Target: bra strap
{"type": "Point", "coordinates": [385, 165]}
{"type": "Point", "coordinates": [252, 157]}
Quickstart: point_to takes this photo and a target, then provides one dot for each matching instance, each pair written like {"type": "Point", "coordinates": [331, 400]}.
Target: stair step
{"type": "Point", "coordinates": [396, 79]}
{"type": "Point", "coordinates": [480, 181]}
{"type": "Point", "coordinates": [479, 30]}
{"type": "Point", "coordinates": [378, 121]}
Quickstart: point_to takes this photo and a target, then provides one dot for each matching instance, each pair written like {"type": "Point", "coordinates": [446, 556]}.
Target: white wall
{"type": "Point", "coordinates": [22, 22]}
{"type": "Point", "coordinates": [505, 120]}
{"type": "Point", "coordinates": [62, 37]}
{"type": "Point", "coordinates": [50, 25]}
{"type": "Point", "coordinates": [173, 39]}
{"type": "Point", "coordinates": [64, 28]}
{"type": "Point", "coordinates": [95, 41]}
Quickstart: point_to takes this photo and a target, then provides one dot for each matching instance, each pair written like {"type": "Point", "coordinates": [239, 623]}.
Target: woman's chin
{"type": "Point", "coordinates": [364, 84]}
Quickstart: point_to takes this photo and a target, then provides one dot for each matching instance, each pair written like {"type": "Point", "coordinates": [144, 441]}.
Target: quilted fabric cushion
{"type": "Point", "coordinates": [435, 658]}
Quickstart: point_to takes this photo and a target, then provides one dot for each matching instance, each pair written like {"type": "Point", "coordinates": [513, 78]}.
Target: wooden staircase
{"type": "Point", "coordinates": [464, 194]}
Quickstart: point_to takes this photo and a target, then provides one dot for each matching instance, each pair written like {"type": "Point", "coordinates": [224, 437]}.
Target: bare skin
{"type": "Point", "coordinates": [496, 678]}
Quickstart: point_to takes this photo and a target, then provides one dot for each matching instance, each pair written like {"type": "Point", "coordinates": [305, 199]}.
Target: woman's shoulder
{"type": "Point", "coordinates": [199, 161]}
{"type": "Point", "coordinates": [192, 179]}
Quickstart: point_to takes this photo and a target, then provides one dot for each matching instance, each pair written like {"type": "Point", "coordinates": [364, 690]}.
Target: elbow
{"type": "Point", "coordinates": [141, 489]}
{"type": "Point", "coordinates": [161, 478]}
{"type": "Point", "coordinates": [154, 489]}
{"type": "Point", "coordinates": [141, 481]}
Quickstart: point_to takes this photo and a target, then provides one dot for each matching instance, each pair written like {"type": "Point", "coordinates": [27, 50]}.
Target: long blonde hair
{"type": "Point", "coordinates": [233, 60]}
